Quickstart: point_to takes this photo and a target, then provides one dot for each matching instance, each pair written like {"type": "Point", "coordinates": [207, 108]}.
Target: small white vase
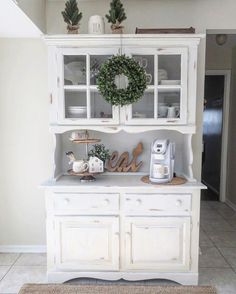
{"type": "Point", "coordinates": [96, 25]}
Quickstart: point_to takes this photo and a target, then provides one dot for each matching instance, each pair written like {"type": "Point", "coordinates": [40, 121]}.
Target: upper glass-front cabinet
{"type": "Point", "coordinates": [165, 99]}
{"type": "Point", "coordinates": [164, 102]}
{"type": "Point", "coordinates": [80, 101]}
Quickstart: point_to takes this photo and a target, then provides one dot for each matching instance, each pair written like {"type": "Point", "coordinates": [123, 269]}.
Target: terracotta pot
{"type": "Point", "coordinates": [73, 29]}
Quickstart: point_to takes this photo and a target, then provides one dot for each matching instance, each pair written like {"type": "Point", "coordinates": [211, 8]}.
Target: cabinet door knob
{"type": "Point", "coordinates": [106, 202]}
{"type": "Point", "coordinates": [179, 203]}
{"type": "Point", "coordinates": [138, 201]}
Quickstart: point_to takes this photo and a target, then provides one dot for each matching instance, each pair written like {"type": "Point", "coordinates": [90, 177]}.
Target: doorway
{"type": "Point", "coordinates": [215, 130]}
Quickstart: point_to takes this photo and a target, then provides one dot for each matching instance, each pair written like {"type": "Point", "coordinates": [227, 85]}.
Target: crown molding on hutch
{"type": "Point", "coordinates": [147, 39]}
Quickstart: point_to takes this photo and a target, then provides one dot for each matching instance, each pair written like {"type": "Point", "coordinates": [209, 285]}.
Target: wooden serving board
{"type": "Point", "coordinates": [84, 174]}
{"type": "Point", "coordinates": [175, 181]}
{"type": "Point", "coordinates": [86, 141]}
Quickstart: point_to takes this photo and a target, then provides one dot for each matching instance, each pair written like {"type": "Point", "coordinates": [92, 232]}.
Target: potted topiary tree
{"type": "Point", "coordinates": [116, 16]}
{"type": "Point", "coordinates": [72, 16]}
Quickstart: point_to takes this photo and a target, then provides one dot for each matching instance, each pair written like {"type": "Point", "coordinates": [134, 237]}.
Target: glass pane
{"type": "Point", "coordinates": [95, 63]}
{"type": "Point", "coordinates": [75, 104]}
{"type": "Point", "coordinates": [169, 103]}
{"type": "Point", "coordinates": [147, 62]}
{"type": "Point", "coordinates": [75, 70]}
{"type": "Point", "coordinates": [144, 108]}
{"type": "Point", "coordinates": [169, 69]}
{"type": "Point", "coordinates": [100, 108]}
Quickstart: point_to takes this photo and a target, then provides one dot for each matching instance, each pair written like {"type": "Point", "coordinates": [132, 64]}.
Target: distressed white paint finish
{"type": "Point", "coordinates": [100, 236]}
{"type": "Point", "coordinates": [157, 243]}
{"type": "Point", "coordinates": [87, 243]}
{"type": "Point", "coordinates": [140, 231]}
{"type": "Point", "coordinates": [182, 45]}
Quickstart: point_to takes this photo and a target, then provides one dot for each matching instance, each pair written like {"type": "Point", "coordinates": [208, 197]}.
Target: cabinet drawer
{"type": "Point", "coordinates": [86, 203]}
{"type": "Point", "coordinates": [157, 203]}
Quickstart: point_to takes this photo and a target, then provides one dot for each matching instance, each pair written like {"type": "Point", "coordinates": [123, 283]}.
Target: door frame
{"type": "Point", "coordinates": [225, 127]}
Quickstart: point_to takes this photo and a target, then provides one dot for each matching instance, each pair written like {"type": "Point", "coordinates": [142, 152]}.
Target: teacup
{"type": "Point", "coordinates": [80, 166]}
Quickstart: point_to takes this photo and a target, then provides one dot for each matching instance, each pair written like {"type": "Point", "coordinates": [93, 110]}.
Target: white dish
{"type": "Point", "coordinates": [74, 72]}
{"type": "Point", "coordinates": [170, 82]}
{"type": "Point", "coordinates": [77, 111]}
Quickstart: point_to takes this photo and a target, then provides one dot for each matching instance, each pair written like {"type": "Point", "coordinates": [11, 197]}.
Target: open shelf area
{"type": "Point", "coordinates": [118, 142]}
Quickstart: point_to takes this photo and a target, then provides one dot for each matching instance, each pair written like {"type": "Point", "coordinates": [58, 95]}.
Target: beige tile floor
{"type": "Point", "coordinates": [217, 264]}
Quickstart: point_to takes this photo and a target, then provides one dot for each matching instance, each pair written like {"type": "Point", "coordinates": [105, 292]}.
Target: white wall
{"type": "Point", "coordinates": [25, 141]}
{"type": "Point", "coordinates": [231, 183]}
{"type": "Point", "coordinates": [36, 10]}
{"type": "Point", "coordinates": [219, 57]}
{"type": "Point", "coordinates": [201, 14]}
{"type": "Point", "coordinates": [24, 103]}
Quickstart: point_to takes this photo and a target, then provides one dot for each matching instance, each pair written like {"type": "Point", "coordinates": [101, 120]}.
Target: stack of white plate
{"type": "Point", "coordinates": [77, 111]}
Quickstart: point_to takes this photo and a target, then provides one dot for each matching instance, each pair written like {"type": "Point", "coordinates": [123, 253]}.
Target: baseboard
{"type": "Point", "coordinates": [231, 204]}
{"type": "Point", "coordinates": [23, 248]}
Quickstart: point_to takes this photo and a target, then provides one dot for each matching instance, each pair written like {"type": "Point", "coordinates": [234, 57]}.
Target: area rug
{"type": "Point", "coordinates": [113, 289]}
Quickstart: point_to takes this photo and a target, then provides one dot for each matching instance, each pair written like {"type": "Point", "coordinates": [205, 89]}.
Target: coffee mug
{"type": "Point", "coordinates": [160, 171]}
{"type": "Point", "coordinates": [79, 135]}
{"type": "Point", "coordinates": [80, 166]}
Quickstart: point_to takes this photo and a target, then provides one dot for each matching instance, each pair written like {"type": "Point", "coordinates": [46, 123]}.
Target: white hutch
{"type": "Point", "coordinates": [119, 227]}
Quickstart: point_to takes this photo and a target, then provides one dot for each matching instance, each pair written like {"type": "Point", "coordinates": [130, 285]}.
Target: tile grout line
{"type": "Point", "coordinates": [231, 267]}
{"type": "Point", "coordinates": [219, 250]}
{"type": "Point", "coordinates": [20, 254]}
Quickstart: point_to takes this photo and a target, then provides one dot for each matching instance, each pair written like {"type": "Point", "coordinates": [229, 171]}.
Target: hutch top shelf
{"type": "Point", "coordinates": [170, 63]}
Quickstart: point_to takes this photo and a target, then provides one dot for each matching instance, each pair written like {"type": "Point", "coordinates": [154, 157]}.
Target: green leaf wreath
{"type": "Point", "coordinates": [118, 65]}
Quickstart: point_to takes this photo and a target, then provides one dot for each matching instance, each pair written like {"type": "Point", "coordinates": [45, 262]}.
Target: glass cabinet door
{"type": "Point", "coordinates": [165, 99]}
{"type": "Point", "coordinates": [80, 101]}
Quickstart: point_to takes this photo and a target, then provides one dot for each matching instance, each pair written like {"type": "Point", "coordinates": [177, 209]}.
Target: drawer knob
{"type": "Point", "coordinates": [106, 202]}
{"type": "Point", "coordinates": [179, 203]}
{"type": "Point", "coordinates": [66, 201]}
{"type": "Point", "coordinates": [138, 201]}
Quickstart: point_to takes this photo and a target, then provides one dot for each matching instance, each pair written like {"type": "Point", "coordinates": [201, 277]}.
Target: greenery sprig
{"type": "Point", "coordinates": [71, 14]}
{"type": "Point", "coordinates": [116, 13]}
{"type": "Point", "coordinates": [118, 65]}
{"type": "Point", "coordinates": [100, 151]}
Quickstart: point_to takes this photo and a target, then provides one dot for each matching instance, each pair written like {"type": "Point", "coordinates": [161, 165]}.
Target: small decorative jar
{"type": "Point", "coordinates": [96, 25]}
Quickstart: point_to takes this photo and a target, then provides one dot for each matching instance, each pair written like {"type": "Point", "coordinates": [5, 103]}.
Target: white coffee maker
{"type": "Point", "coordinates": [162, 161]}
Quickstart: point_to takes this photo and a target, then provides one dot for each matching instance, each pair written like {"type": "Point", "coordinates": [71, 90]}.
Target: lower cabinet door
{"type": "Point", "coordinates": [87, 243]}
{"type": "Point", "coordinates": [157, 243]}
